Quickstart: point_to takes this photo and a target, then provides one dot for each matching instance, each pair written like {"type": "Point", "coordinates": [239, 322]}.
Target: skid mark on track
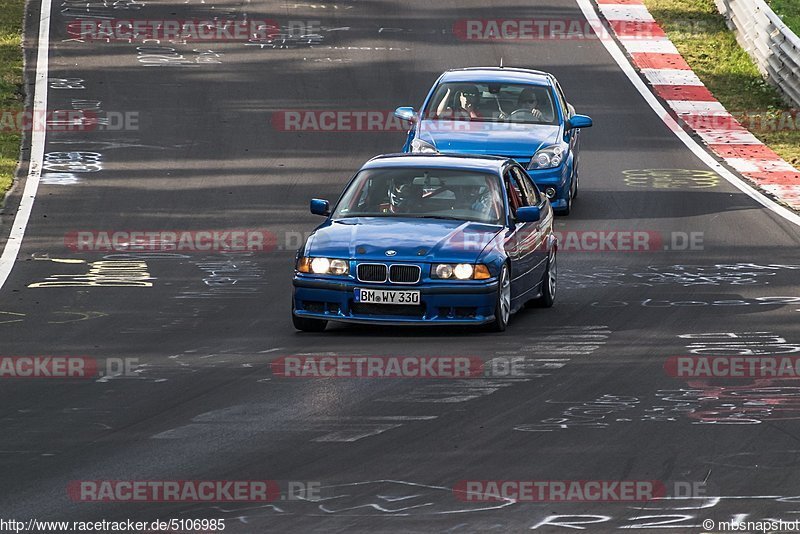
{"type": "Point", "coordinates": [721, 274]}
{"type": "Point", "coordinates": [76, 316]}
{"type": "Point", "coordinates": [56, 317]}
{"type": "Point", "coordinates": [252, 419]}
{"type": "Point", "coordinates": [7, 317]}
{"type": "Point", "coordinates": [228, 278]}
{"type": "Point", "coordinates": [546, 352]}
{"type": "Point", "coordinates": [698, 401]}
{"type": "Point", "coordinates": [376, 498]}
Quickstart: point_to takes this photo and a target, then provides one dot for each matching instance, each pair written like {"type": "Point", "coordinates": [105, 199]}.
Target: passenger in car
{"type": "Point", "coordinates": [464, 105]}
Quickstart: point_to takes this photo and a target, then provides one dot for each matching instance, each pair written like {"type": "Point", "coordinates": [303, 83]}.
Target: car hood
{"type": "Point", "coordinates": [414, 240]}
{"type": "Point", "coordinates": [502, 139]}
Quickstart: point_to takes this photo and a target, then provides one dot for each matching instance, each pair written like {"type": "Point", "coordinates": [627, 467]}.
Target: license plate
{"type": "Point", "coordinates": [387, 296]}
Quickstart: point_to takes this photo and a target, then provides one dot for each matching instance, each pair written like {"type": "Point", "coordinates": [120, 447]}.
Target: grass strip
{"type": "Point", "coordinates": [788, 11]}
{"type": "Point", "coordinates": [11, 98]}
{"type": "Point", "coordinates": [702, 37]}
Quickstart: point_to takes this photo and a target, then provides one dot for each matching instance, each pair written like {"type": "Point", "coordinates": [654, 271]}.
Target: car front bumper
{"type": "Point", "coordinates": [555, 178]}
{"type": "Point", "coordinates": [443, 303]}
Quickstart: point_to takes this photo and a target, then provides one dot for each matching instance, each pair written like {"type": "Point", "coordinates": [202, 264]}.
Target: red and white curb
{"type": "Point", "coordinates": [671, 78]}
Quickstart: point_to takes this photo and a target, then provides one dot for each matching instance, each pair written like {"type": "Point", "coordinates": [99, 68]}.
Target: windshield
{"type": "Point", "coordinates": [423, 193]}
{"type": "Point", "coordinates": [492, 102]}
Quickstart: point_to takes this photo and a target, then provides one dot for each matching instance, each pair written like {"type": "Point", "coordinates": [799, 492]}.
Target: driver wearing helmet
{"type": "Point", "coordinates": [405, 196]}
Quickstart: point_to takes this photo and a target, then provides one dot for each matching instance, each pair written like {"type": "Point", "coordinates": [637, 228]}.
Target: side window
{"type": "Point", "coordinates": [562, 99]}
{"type": "Point", "coordinates": [529, 189]}
{"type": "Point", "coordinates": [515, 197]}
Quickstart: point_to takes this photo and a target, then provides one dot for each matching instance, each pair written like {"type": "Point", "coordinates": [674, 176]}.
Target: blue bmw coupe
{"type": "Point", "coordinates": [516, 113]}
{"type": "Point", "coordinates": [428, 239]}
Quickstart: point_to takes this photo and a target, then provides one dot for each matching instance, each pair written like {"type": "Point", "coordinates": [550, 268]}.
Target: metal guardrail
{"type": "Point", "coordinates": [773, 46]}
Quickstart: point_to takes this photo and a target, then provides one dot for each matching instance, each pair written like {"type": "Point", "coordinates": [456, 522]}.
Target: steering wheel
{"type": "Point", "coordinates": [523, 114]}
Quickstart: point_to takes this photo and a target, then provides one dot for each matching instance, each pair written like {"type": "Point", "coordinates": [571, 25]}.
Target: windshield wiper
{"type": "Point", "coordinates": [356, 215]}
{"type": "Point", "coordinates": [447, 217]}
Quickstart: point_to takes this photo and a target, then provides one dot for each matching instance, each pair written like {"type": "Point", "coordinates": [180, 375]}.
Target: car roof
{"type": "Point", "coordinates": [497, 74]}
{"type": "Point", "coordinates": [469, 162]}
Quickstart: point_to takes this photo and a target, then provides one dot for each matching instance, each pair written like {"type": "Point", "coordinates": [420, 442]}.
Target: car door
{"type": "Point", "coordinates": [533, 239]}
{"type": "Point", "coordinates": [540, 230]}
{"type": "Point", "coordinates": [525, 239]}
{"type": "Point", "coordinates": [514, 200]}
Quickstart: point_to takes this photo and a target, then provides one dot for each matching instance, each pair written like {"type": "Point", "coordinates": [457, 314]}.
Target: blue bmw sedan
{"type": "Point", "coordinates": [516, 113]}
{"type": "Point", "coordinates": [430, 240]}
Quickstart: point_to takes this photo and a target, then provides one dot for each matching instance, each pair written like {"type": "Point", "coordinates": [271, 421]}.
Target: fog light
{"type": "Point", "coordinates": [550, 192]}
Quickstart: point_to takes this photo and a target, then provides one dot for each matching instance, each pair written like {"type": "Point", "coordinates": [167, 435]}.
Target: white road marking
{"type": "Point", "coordinates": [654, 46]}
{"type": "Point", "coordinates": [249, 420]}
{"type": "Point", "coordinates": [615, 52]}
{"type": "Point", "coordinates": [727, 136]}
{"type": "Point", "coordinates": [626, 12]}
{"type": "Point", "coordinates": [697, 106]}
{"type": "Point", "coordinates": [672, 77]}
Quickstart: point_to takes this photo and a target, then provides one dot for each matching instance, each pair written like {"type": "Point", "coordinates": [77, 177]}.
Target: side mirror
{"type": "Point", "coordinates": [406, 114]}
{"type": "Point", "coordinates": [320, 207]}
{"type": "Point", "coordinates": [528, 214]}
{"type": "Point", "coordinates": [579, 121]}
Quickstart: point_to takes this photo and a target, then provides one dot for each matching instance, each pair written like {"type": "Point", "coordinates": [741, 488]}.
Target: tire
{"type": "Point", "coordinates": [549, 283]}
{"type": "Point", "coordinates": [304, 324]}
{"type": "Point", "coordinates": [502, 307]}
{"type": "Point", "coordinates": [575, 193]}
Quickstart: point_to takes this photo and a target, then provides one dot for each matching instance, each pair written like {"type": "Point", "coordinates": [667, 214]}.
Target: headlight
{"type": "Point", "coordinates": [460, 271]}
{"type": "Point", "coordinates": [547, 158]}
{"type": "Point", "coordinates": [320, 265]}
{"type": "Point", "coordinates": [323, 266]}
{"type": "Point", "coordinates": [463, 271]}
{"type": "Point", "coordinates": [443, 271]}
{"type": "Point", "coordinates": [339, 267]}
{"type": "Point", "coordinates": [418, 146]}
